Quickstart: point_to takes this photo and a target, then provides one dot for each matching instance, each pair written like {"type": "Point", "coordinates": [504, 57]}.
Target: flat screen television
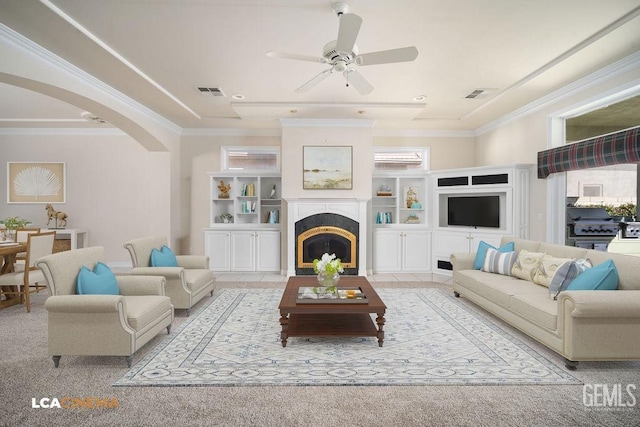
{"type": "Point", "coordinates": [474, 211]}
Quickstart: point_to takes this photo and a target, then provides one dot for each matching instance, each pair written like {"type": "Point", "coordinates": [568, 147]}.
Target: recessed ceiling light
{"type": "Point", "coordinates": [237, 96]}
{"type": "Point", "coordinates": [419, 98]}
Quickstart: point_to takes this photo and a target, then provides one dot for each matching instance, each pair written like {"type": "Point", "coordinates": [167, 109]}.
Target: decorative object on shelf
{"type": "Point", "coordinates": [42, 182]}
{"type": "Point", "coordinates": [272, 217]}
{"type": "Point", "coordinates": [272, 194]}
{"type": "Point", "coordinates": [384, 191]}
{"type": "Point", "coordinates": [57, 216]}
{"type": "Point", "coordinates": [327, 268]}
{"type": "Point", "coordinates": [224, 190]}
{"type": "Point", "coordinates": [384, 218]}
{"type": "Point", "coordinates": [327, 168]}
{"type": "Point", "coordinates": [226, 217]}
{"type": "Point", "coordinates": [248, 190]}
{"type": "Point", "coordinates": [11, 224]}
{"type": "Point", "coordinates": [416, 205]}
{"type": "Point", "coordinates": [411, 197]}
{"type": "Point", "coordinates": [412, 219]}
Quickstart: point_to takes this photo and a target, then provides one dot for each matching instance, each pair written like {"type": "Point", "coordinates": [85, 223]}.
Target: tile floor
{"type": "Point", "coordinates": [382, 277]}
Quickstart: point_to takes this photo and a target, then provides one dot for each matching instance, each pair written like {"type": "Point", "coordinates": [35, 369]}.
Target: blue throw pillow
{"type": "Point", "coordinates": [163, 258]}
{"type": "Point", "coordinates": [482, 252]}
{"type": "Point", "coordinates": [100, 281]}
{"type": "Point", "coordinates": [603, 276]}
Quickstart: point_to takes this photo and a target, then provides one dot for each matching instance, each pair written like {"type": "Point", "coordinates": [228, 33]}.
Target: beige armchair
{"type": "Point", "coordinates": [186, 284]}
{"type": "Point", "coordinates": [100, 325]}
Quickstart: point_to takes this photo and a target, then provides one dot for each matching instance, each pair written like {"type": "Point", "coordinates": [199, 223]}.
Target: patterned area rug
{"type": "Point", "coordinates": [430, 338]}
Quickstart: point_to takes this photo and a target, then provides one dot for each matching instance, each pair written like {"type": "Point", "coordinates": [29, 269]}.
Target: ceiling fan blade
{"type": "Point", "coordinates": [295, 56]}
{"type": "Point", "coordinates": [314, 81]}
{"type": "Point", "coordinates": [402, 54]}
{"type": "Point", "coordinates": [355, 79]}
{"type": "Point", "coordinates": [348, 32]}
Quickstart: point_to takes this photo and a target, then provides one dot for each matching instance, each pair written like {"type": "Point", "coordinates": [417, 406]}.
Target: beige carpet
{"type": "Point", "coordinates": [26, 372]}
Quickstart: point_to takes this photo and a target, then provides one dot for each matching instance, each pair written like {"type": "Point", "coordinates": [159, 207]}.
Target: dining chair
{"type": "Point", "coordinates": [38, 245]}
{"type": "Point", "coordinates": [20, 236]}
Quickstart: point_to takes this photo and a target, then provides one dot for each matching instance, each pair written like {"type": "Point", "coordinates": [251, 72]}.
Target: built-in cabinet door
{"type": "Point", "coordinates": [416, 251]}
{"type": "Point", "coordinates": [268, 251]}
{"type": "Point", "coordinates": [492, 239]}
{"type": "Point", "coordinates": [387, 251]}
{"type": "Point", "coordinates": [447, 243]}
{"type": "Point", "coordinates": [217, 245]}
{"type": "Point", "coordinates": [243, 244]}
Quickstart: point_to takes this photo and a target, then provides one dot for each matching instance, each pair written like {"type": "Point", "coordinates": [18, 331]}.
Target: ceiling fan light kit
{"type": "Point", "coordinates": [342, 54]}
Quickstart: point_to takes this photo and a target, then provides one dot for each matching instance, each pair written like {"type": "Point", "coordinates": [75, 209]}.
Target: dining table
{"type": "Point", "coordinates": [8, 253]}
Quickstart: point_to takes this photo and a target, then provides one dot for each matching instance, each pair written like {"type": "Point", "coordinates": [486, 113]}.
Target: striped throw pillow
{"type": "Point", "coordinates": [565, 274]}
{"type": "Point", "coordinates": [499, 262]}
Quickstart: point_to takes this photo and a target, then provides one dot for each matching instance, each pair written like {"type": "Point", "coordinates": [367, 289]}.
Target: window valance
{"type": "Point", "coordinates": [613, 149]}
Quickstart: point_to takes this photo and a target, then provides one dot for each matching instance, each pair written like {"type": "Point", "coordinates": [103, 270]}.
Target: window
{"type": "Point", "coordinates": [250, 158]}
{"type": "Point", "coordinates": [592, 190]}
{"type": "Point", "coordinates": [614, 185]}
{"type": "Point", "coordinates": [409, 159]}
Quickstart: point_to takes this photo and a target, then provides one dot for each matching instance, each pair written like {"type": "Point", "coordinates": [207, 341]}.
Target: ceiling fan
{"type": "Point", "coordinates": [342, 54]}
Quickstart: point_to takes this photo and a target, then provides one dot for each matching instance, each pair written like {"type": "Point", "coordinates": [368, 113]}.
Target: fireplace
{"type": "Point", "coordinates": [326, 233]}
{"type": "Point", "coordinates": [337, 224]}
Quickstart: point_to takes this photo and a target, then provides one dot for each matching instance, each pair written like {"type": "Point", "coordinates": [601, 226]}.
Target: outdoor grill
{"type": "Point", "coordinates": [629, 229]}
{"type": "Point", "coordinates": [591, 228]}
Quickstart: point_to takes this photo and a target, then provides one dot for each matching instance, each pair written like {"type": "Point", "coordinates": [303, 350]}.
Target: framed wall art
{"type": "Point", "coordinates": [327, 167]}
{"type": "Point", "coordinates": [42, 182]}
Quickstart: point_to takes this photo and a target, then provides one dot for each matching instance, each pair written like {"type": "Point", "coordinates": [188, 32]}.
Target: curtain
{"type": "Point", "coordinates": [612, 149]}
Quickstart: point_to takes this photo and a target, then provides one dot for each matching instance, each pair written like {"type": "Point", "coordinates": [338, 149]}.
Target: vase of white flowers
{"type": "Point", "coordinates": [328, 269]}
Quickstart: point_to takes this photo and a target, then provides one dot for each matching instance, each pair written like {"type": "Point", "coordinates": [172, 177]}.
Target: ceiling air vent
{"type": "Point", "coordinates": [480, 93]}
{"type": "Point", "coordinates": [211, 91]}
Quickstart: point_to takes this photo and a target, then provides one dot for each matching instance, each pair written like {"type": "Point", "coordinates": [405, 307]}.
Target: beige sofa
{"type": "Point", "coordinates": [101, 325]}
{"type": "Point", "coordinates": [579, 325]}
{"type": "Point", "coordinates": [186, 284]}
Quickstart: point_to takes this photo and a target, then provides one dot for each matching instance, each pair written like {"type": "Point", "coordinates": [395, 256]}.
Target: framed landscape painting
{"type": "Point", "coordinates": [327, 167]}
{"type": "Point", "coordinates": [42, 182]}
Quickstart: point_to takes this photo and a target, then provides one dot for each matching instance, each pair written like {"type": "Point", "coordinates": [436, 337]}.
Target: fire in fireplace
{"type": "Point", "coordinates": [326, 233]}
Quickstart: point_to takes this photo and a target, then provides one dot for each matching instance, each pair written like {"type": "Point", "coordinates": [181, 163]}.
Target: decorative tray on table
{"type": "Point", "coordinates": [344, 295]}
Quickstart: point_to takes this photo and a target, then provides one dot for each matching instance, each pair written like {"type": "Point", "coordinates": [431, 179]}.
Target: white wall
{"type": "Point", "coordinates": [294, 138]}
{"type": "Point", "coordinates": [200, 154]}
{"type": "Point", "coordinates": [115, 188]}
{"type": "Point", "coordinates": [520, 139]}
{"type": "Point", "coordinates": [445, 152]}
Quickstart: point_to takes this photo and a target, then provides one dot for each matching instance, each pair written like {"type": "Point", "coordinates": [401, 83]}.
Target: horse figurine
{"type": "Point", "coordinates": [58, 216]}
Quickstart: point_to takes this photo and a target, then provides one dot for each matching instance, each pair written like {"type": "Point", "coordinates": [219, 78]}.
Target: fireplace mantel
{"type": "Point", "coordinates": [299, 208]}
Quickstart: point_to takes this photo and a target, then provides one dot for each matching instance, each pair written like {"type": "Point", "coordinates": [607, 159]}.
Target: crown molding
{"type": "Point", "coordinates": [601, 76]}
{"type": "Point", "coordinates": [27, 47]}
{"type": "Point", "coordinates": [419, 133]}
{"type": "Point", "coordinates": [231, 132]}
{"type": "Point", "coordinates": [62, 131]}
{"type": "Point", "coordinates": [342, 123]}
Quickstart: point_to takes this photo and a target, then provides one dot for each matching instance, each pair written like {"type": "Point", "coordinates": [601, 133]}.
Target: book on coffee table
{"type": "Point", "coordinates": [308, 295]}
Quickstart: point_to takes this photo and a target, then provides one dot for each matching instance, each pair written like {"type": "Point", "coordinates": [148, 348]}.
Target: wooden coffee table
{"type": "Point", "coordinates": [331, 319]}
